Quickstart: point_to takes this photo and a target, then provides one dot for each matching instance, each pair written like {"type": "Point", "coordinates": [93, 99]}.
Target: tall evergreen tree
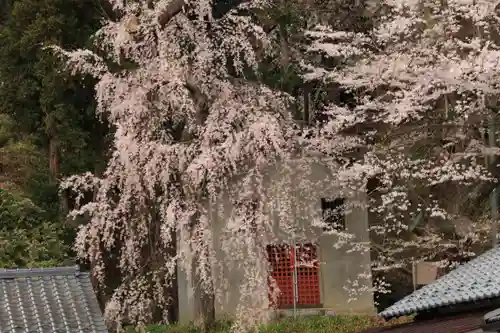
{"type": "Point", "coordinates": [47, 123]}
{"type": "Point", "coordinates": [51, 108]}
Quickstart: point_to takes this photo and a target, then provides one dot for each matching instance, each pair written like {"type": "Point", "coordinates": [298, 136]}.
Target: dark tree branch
{"type": "Point", "coordinates": [200, 101]}
{"type": "Point", "coordinates": [173, 8]}
{"type": "Point", "coordinates": [219, 9]}
{"type": "Point", "coordinates": [222, 7]}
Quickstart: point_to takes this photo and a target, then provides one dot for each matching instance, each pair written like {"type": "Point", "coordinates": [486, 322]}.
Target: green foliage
{"type": "Point", "coordinates": [19, 157]}
{"type": "Point", "coordinates": [27, 239]}
{"type": "Point", "coordinates": [327, 324]}
{"type": "Point", "coordinates": [313, 324]}
{"type": "Point", "coordinates": [42, 99]}
{"type": "Point", "coordinates": [6, 129]}
{"type": "Point", "coordinates": [24, 168]}
{"type": "Point", "coordinates": [41, 104]}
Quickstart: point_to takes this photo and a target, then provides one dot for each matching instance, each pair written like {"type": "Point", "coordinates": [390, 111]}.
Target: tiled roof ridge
{"type": "Point", "coordinates": [10, 273]}
{"type": "Point", "coordinates": [472, 281]}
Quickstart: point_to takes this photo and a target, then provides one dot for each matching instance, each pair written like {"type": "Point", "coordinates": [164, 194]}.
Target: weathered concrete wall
{"type": "Point", "coordinates": [186, 297]}
{"type": "Point", "coordinates": [305, 185]}
{"type": "Point", "coordinates": [341, 265]}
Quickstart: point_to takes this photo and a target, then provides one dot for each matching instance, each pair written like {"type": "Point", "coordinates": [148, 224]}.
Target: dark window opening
{"type": "Point", "coordinates": [373, 185]}
{"type": "Point", "coordinates": [333, 212]}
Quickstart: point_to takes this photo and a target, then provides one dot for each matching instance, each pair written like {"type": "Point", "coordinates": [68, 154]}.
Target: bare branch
{"type": "Point", "coordinates": [219, 10]}
{"type": "Point", "coordinates": [173, 8]}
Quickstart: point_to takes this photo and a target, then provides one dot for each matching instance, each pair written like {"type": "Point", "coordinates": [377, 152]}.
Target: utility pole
{"type": "Point", "coordinates": [295, 279]}
{"type": "Point", "coordinates": [494, 192]}
{"type": "Point", "coordinates": [491, 105]}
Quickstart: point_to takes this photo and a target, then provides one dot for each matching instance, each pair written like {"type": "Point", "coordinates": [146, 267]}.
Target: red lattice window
{"type": "Point", "coordinates": [282, 260]}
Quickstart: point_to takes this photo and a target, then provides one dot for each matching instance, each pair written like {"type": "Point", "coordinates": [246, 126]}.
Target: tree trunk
{"type": "Point", "coordinates": [171, 288]}
{"type": "Point", "coordinates": [173, 310]}
{"type": "Point", "coordinates": [285, 51]}
{"type": "Point", "coordinates": [53, 158]}
{"type": "Point", "coordinates": [204, 303]}
{"type": "Point", "coordinates": [307, 111]}
{"type": "Point", "coordinates": [204, 298]}
{"type": "Point", "coordinates": [283, 37]}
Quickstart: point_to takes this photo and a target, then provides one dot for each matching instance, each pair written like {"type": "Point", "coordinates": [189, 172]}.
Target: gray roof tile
{"type": "Point", "coordinates": [55, 300]}
{"type": "Point", "coordinates": [476, 280]}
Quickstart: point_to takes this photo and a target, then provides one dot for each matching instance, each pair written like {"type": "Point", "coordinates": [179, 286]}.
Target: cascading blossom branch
{"type": "Point", "coordinates": [184, 130]}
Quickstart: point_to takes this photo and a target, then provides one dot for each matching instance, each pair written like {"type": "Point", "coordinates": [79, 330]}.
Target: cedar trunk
{"type": "Point", "coordinates": [53, 158]}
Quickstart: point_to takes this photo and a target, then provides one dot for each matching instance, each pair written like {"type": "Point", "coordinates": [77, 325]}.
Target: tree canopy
{"type": "Point", "coordinates": [138, 125]}
{"type": "Point", "coordinates": [192, 115]}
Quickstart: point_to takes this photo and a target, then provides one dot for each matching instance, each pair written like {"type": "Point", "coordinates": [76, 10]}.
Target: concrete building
{"type": "Point", "coordinates": [324, 286]}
